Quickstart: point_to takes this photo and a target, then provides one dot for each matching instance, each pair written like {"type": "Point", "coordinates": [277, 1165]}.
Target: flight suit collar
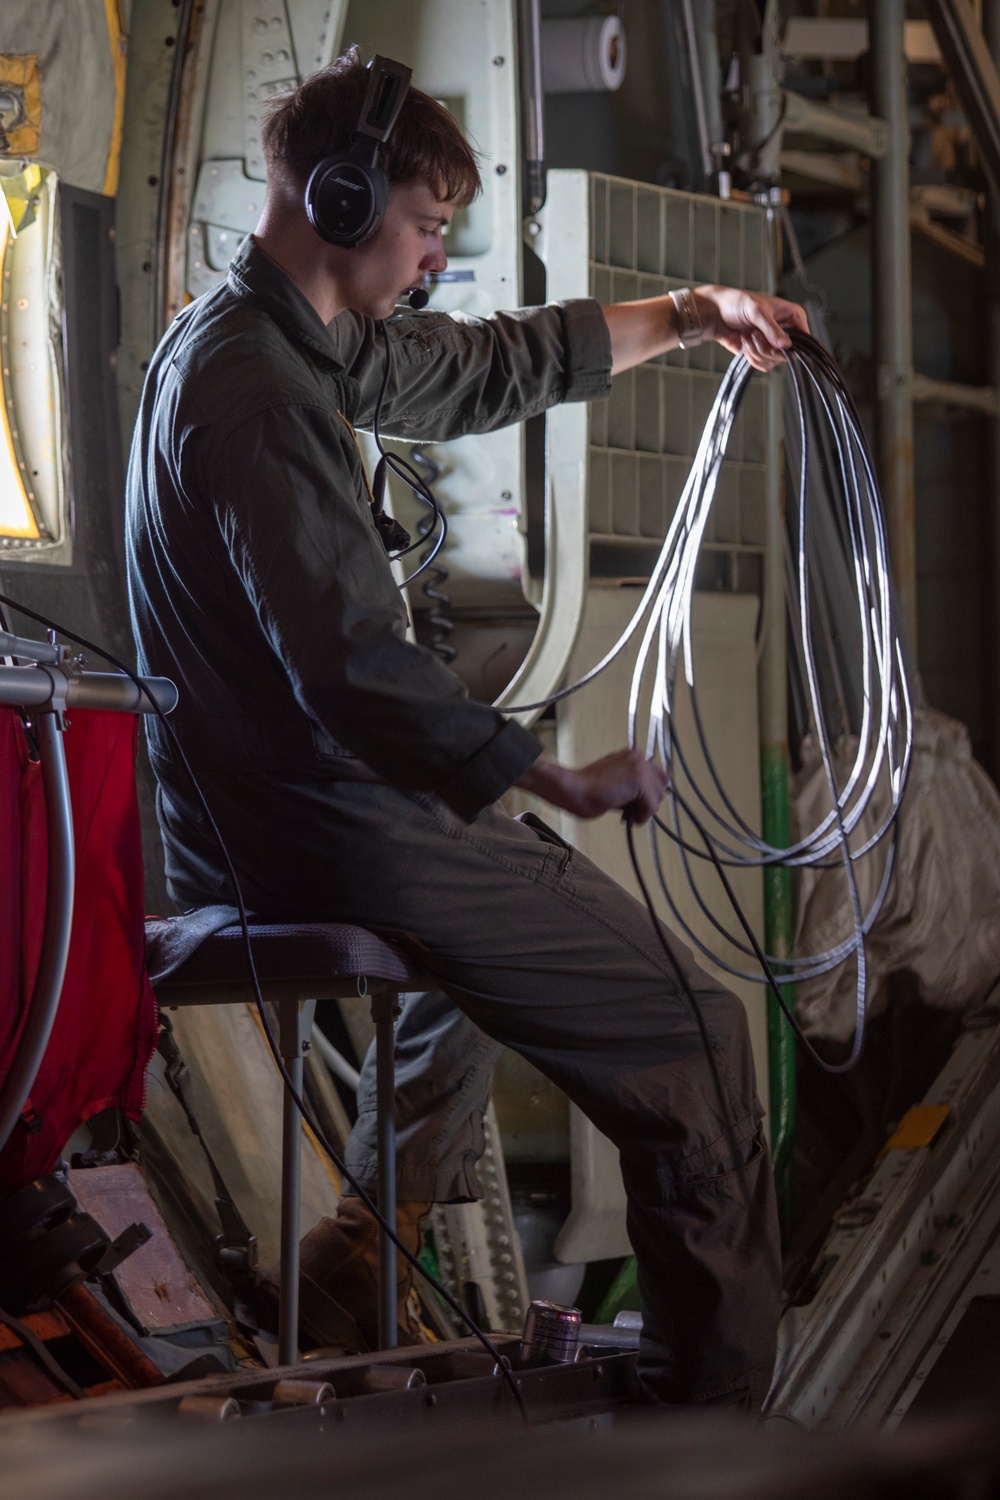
{"type": "Point", "coordinates": [255, 277]}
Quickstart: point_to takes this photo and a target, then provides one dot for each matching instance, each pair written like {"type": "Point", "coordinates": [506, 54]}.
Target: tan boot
{"type": "Point", "coordinates": [339, 1284]}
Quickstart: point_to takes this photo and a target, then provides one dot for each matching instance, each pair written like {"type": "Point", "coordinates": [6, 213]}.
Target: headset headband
{"type": "Point", "coordinates": [388, 83]}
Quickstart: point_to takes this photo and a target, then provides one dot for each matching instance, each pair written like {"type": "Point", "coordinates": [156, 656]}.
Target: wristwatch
{"type": "Point", "coordinates": [689, 330]}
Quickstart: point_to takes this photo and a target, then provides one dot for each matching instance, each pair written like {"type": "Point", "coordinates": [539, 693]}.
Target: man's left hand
{"type": "Point", "coordinates": [747, 323]}
{"type": "Point", "coordinates": [742, 322]}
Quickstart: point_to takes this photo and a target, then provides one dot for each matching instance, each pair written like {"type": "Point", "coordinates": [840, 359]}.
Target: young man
{"type": "Point", "coordinates": [354, 780]}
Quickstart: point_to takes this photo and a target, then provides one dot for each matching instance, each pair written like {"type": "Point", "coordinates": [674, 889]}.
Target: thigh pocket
{"type": "Point", "coordinates": [563, 851]}
{"type": "Point", "coordinates": [722, 1180]}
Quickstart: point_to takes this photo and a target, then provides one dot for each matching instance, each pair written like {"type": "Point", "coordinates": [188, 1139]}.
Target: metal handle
{"type": "Point", "coordinates": [36, 687]}
{"type": "Point", "coordinates": [19, 645]}
{"type": "Point", "coordinates": [61, 873]}
{"type": "Point", "coordinates": [532, 104]}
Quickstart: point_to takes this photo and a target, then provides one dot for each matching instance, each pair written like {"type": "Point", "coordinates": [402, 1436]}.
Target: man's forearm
{"type": "Point", "coordinates": [640, 331]}
{"type": "Point", "coordinates": [743, 322]}
{"type": "Point", "coordinates": [547, 779]}
{"type": "Point", "coordinates": [625, 780]}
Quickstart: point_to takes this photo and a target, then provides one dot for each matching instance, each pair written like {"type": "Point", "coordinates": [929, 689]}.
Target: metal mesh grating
{"type": "Point", "coordinates": [645, 241]}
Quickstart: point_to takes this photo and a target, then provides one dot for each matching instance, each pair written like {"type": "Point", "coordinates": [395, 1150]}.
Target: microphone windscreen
{"type": "Point", "coordinates": [419, 298]}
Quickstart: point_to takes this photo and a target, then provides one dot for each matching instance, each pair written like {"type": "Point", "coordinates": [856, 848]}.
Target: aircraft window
{"type": "Point", "coordinates": [32, 488]}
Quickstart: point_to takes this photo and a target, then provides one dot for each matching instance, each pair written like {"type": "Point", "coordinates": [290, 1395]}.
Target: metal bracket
{"type": "Point", "coordinates": [28, 650]}
{"type": "Point", "coordinates": [384, 1006]}
{"type": "Point", "coordinates": [295, 1029]}
{"type": "Point", "coordinates": [128, 1242]}
{"type": "Point", "coordinates": [236, 1253]}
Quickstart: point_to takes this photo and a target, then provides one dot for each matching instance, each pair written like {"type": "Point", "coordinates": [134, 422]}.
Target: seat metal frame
{"type": "Point", "coordinates": [295, 999]}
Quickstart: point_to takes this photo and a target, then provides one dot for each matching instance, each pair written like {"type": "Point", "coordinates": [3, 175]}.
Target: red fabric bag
{"type": "Point", "coordinates": [105, 1028]}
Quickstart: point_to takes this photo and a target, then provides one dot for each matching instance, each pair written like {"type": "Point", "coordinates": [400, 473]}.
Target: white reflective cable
{"type": "Point", "coordinates": [334, 1060]}
{"type": "Point", "coordinates": [884, 742]}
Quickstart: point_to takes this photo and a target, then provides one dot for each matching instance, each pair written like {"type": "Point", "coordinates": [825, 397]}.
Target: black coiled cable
{"type": "Point", "coordinates": [441, 625]}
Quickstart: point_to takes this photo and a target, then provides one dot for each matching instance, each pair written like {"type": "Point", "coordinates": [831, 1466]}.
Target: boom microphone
{"type": "Point", "coordinates": [419, 298]}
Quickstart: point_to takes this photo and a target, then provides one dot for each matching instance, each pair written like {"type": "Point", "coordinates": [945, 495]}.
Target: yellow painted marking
{"type": "Point", "coordinates": [16, 519]}
{"type": "Point", "coordinates": [22, 72]}
{"type": "Point", "coordinates": [20, 193]}
{"type": "Point", "coordinates": [119, 58]}
{"type": "Point", "coordinates": [918, 1127]}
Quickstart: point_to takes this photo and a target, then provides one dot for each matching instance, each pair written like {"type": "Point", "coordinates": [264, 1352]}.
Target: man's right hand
{"type": "Point", "coordinates": [625, 780]}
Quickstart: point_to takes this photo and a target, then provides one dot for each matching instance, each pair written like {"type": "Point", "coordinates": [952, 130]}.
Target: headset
{"type": "Point", "coordinates": [345, 203]}
{"type": "Point", "coordinates": [347, 191]}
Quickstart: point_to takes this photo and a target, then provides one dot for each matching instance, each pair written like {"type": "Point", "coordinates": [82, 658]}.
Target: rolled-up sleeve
{"type": "Point", "coordinates": [306, 551]}
{"type": "Point", "coordinates": [485, 776]}
{"type": "Point", "coordinates": [454, 374]}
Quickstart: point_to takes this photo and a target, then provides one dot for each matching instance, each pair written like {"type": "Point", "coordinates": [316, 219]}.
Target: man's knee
{"type": "Point", "coordinates": [729, 1029]}
{"type": "Point", "coordinates": [726, 1019]}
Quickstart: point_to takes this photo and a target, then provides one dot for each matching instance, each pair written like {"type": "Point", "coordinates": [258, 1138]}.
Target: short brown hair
{"type": "Point", "coordinates": [319, 117]}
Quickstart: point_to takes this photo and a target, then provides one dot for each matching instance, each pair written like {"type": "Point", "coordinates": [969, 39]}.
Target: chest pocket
{"type": "Point", "coordinates": [326, 747]}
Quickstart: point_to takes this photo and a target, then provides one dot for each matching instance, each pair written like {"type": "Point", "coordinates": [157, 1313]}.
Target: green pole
{"type": "Point", "coordinates": [778, 936]}
{"type": "Point", "coordinates": [779, 931]}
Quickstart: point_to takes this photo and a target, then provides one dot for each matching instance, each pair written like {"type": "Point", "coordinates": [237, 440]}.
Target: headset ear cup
{"type": "Point", "coordinates": [345, 200]}
{"type": "Point", "coordinates": [380, 196]}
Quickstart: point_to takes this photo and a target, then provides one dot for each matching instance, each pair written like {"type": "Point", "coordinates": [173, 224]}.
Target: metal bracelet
{"type": "Point", "coordinates": [690, 332]}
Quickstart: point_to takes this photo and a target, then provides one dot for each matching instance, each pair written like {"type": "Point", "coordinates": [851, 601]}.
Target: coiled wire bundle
{"type": "Point", "coordinates": [441, 625]}
{"type": "Point", "coordinates": [858, 820]}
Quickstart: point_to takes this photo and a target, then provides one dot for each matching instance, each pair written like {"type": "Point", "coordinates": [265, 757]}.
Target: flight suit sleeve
{"type": "Point", "coordinates": [454, 374]}
{"type": "Point", "coordinates": [302, 541]}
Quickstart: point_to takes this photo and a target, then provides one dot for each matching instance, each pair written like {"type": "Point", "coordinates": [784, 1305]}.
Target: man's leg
{"type": "Point", "coordinates": [444, 1073]}
{"type": "Point", "coordinates": [444, 1076]}
{"type": "Point", "coordinates": [549, 956]}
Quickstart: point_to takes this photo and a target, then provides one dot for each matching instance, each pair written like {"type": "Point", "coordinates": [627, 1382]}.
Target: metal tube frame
{"type": "Point", "coordinates": [294, 1040]}
{"type": "Point", "coordinates": [891, 303]}
{"type": "Point", "coordinates": [109, 692]}
{"type": "Point", "coordinates": [60, 879]}
{"type": "Point", "coordinates": [385, 1008]}
{"type": "Point", "coordinates": [529, 44]}
{"type": "Point", "coordinates": [691, 39]}
{"type": "Point", "coordinates": [991, 283]}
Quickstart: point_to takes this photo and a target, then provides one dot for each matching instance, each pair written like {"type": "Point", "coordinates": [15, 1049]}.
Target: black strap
{"type": "Point", "coordinates": [48, 1362]}
{"type": "Point", "coordinates": [395, 538]}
